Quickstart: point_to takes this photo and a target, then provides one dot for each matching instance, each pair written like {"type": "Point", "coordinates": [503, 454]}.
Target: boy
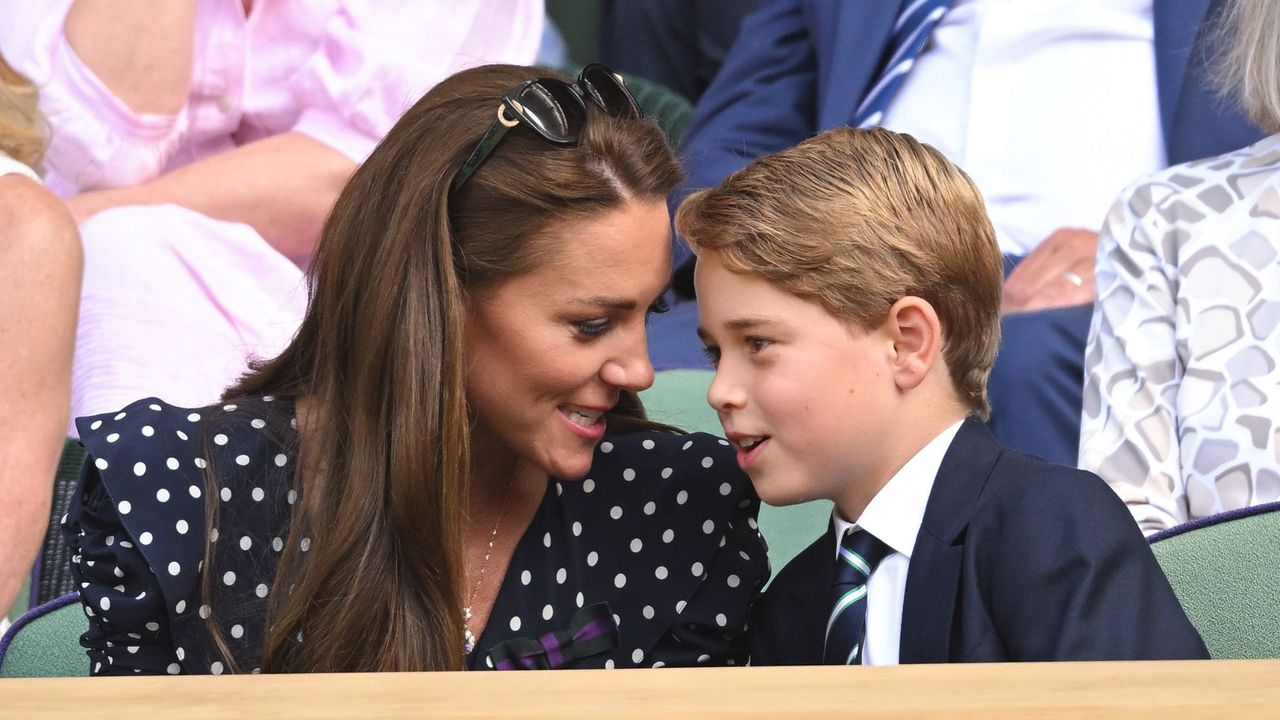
{"type": "Point", "coordinates": [849, 293]}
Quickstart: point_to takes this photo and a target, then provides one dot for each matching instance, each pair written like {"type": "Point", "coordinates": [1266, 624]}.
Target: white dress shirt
{"type": "Point", "coordinates": [1049, 105]}
{"type": "Point", "coordinates": [894, 517]}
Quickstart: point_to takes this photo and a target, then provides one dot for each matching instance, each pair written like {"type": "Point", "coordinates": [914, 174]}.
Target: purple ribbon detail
{"type": "Point", "coordinates": [592, 630]}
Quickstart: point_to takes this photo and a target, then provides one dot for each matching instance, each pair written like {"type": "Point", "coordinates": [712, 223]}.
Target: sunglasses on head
{"type": "Point", "coordinates": [554, 109]}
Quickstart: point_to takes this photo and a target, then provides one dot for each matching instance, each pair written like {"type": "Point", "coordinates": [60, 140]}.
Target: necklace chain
{"type": "Point", "coordinates": [468, 637]}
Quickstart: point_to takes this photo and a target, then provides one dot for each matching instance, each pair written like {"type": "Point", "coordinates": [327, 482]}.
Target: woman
{"type": "Point", "coordinates": [1183, 361]}
{"type": "Point", "coordinates": [400, 483]}
{"type": "Point", "coordinates": [40, 263]}
{"type": "Point", "coordinates": [200, 144]}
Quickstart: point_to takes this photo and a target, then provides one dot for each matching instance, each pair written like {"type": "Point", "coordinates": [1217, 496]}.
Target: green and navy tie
{"type": "Point", "coordinates": [860, 553]}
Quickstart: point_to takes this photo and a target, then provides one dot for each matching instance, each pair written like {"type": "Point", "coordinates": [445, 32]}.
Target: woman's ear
{"type": "Point", "coordinates": [916, 332]}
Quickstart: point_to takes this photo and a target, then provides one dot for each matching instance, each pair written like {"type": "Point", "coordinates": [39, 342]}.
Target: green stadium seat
{"type": "Point", "coordinates": [46, 641]}
{"type": "Point", "coordinates": [679, 398]}
{"type": "Point", "coordinates": [1226, 573]}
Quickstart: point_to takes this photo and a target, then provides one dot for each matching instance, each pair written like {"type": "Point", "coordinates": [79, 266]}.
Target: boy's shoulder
{"type": "Point", "coordinates": [1029, 486]}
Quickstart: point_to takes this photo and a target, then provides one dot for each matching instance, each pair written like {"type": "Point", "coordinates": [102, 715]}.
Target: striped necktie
{"type": "Point", "coordinates": [860, 553]}
{"type": "Point", "coordinates": [910, 33]}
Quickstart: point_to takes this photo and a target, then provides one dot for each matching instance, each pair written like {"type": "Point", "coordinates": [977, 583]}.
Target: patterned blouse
{"type": "Point", "coordinates": [1182, 383]}
{"type": "Point", "coordinates": [653, 559]}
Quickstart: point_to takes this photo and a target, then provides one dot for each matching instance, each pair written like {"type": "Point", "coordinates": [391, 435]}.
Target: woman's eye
{"type": "Point", "coordinates": [592, 328]}
{"type": "Point", "coordinates": [756, 344]}
{"type": "Point", "coordinates": [658, 307]}
{"type": "Point", "coordinates": [712, 354]}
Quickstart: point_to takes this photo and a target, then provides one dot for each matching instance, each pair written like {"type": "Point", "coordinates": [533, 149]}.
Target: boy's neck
{"type": "Point", "coordinates": [909, 436]}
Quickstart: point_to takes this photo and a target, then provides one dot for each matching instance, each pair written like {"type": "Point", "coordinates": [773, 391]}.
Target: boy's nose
{"type": "Point", "coordinates": [724, 394]}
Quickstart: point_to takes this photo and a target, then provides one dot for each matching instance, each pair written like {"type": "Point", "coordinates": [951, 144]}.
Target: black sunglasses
{"type": "Point", "coordinates": [554, 109]}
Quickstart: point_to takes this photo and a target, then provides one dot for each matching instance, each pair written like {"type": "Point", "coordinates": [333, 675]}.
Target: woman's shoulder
{"type": "Point", "coordinates": [156, 461]}
{"type": "Point", "coordinates": [139, 521]}
{"type": "Point", "coordinates": [150, 436]}
{"type": "Point", "coordinates": [28, 207]}
{"type": "Point", "coordinates": [1205, 187]}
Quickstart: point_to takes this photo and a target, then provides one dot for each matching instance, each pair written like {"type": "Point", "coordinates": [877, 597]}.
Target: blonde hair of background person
{"type": "Point", "coordinates": [780, 220]}
{"type": "Point", "coordinates": [40, 266]}
{"type": "Point", "coordinates": [1250, 65]}
{"type": "Point", "coordinates": [1182, 367]}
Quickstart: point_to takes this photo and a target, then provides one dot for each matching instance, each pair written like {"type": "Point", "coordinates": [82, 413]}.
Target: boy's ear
{"type": "Point", "coordinates": [916, 332]}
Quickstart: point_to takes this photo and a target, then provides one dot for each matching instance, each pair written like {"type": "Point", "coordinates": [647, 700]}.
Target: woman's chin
{"type": "Point", "coordinates": [571, 467]}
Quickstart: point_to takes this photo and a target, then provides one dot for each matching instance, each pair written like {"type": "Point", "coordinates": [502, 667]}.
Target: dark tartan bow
{"type": "Point", "coordinates": [591, 631]}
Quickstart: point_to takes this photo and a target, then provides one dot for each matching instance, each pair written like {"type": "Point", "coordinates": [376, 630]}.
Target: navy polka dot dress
{"type": "Point", "coordinates": [653, 559]}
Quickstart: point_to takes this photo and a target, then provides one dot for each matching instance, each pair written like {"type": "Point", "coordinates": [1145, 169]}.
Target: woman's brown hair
{"type": "Point", "coordinates": [384, 458]}
{"type": "Point", "coordinates": [22, 131]}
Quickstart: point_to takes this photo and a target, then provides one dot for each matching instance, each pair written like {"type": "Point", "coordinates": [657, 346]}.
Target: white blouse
{"type": "Point", "coordinates": [1182, 384]}
{"type": "Point", "coordinates": [9, 166]}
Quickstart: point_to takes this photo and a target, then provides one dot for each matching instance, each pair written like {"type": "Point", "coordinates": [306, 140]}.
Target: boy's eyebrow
{"type": "Point", "coordinates": [740, 324]}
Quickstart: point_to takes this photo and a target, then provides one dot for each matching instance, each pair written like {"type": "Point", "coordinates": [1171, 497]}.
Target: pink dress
{"type": "Point", "coordinates": [174, 302]}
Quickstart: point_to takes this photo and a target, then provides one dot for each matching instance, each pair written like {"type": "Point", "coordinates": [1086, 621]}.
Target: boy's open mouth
{"type": "Point", "coordinates": [749, 443]}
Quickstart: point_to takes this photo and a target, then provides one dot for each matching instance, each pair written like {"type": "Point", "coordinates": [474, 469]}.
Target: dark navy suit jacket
{"type": "Point", "coordinates": [1017, 559]}
{"type": "Point", "coordinates": [799, 67]}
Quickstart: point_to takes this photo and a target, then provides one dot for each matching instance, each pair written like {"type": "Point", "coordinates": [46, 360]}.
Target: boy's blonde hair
{"type": "Point", "coordinates": [856, 220]}
{"type": "Point", "coordinates": [21, 124]}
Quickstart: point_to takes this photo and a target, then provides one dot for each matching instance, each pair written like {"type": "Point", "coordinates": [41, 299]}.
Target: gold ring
{"type": "Point", "coordinates": [1073, 278]}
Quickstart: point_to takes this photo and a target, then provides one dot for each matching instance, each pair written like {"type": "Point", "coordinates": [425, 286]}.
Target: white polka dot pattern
{"type": "Point", "coordinates": [607, 539]}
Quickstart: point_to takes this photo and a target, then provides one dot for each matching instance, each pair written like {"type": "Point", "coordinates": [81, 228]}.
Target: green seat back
{"type": "Point", "coordinates": [46, 642]}
{"type": "Point", "coordinates": [1226, 573]}
{"type": "Point", "coordinates": [679, 398]}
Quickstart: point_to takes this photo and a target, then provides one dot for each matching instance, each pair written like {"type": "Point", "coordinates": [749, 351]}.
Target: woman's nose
{"type": "Point", "coordinates": [631, 369]}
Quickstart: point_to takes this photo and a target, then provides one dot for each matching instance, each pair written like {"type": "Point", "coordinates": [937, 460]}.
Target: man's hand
{"type": "Point", "coordinates": [1058, 273]}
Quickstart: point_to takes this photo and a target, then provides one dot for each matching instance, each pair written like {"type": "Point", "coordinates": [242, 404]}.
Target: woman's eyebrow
{"type": "Point", "coordinates": [613, 303]}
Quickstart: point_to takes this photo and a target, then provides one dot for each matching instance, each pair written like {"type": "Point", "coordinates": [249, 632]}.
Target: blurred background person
{"type": "Point", "coordinates": [201, 143]}
{"type": "Point", "coordinates": [676, 43]}
{"type": "Point", "coordinates": [40, 262]}
{"type": "Point", "coordinates": [1182, 392]}
{"type": "Point", "coordinates": [1051, 106]}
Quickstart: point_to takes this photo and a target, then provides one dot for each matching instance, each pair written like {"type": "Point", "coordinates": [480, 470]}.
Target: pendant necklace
{"type": "Point", "coordinates": [468, 637]}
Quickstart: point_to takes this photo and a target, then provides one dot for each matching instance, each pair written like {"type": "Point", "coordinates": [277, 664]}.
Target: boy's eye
{"type": "Point", "coordinates": [593, 328]}
{"type": "Point", "coordinates": [757, 344]}
{"type": "Point", "coordinates": [658, 307]}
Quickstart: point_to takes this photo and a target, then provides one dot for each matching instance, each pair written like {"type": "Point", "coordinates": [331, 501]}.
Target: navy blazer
{"type": "Point", "coordinates": [1017, 559]}
{"type": "Point", "coordinates": [799, 67]}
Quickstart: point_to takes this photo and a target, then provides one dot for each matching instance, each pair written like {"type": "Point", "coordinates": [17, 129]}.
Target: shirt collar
{"type": "Point", "coordinates": [895, 514]}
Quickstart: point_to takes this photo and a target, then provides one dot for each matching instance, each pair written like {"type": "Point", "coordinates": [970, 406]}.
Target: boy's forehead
{"type": "Point", "coordinates": [730, 301]}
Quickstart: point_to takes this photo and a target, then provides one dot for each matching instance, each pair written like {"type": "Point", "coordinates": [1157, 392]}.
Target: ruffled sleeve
{"type": "Point", "coordinates": [377, 59]}
{"type": "Point", "coordinates": [128, 622]}
{"type": "Point", "coordinates": [136, 532]}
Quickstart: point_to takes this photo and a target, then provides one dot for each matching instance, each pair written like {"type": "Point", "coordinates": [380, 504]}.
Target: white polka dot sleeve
{"type": "Point", "coordinates": [128, 621]}
{"type": "Point", "coordinates": [710, 626]}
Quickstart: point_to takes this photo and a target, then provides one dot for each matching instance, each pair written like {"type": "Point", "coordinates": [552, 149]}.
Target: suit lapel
{"type": "Point", "coordinates": [933, 581]}
{"type": "Point", "coordinates": [811, 599]}
{"type": "Point", "coordinates": [850, 37]}
{"type": "Point", "coordinates": [1177, 24]}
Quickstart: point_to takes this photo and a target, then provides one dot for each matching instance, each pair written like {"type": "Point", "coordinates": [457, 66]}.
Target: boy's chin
{"type": "Point", "coordinates": [781, 492]}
